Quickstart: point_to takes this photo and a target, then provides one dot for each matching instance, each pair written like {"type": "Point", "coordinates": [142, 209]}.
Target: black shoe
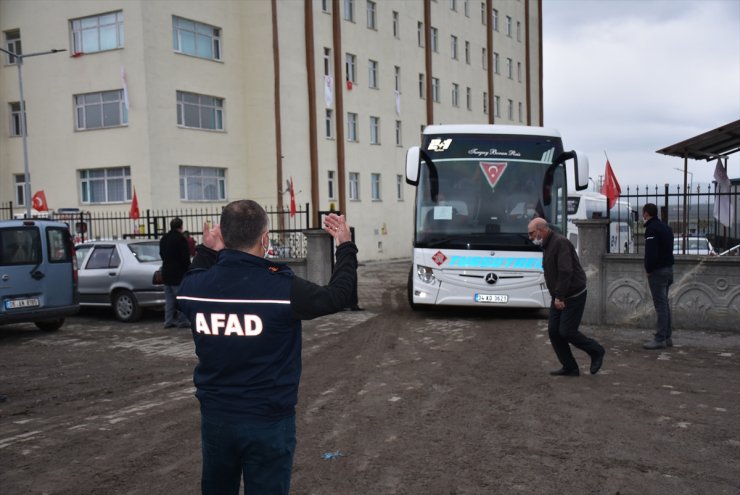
{"type": "Point", "coordinates": [566, 372]}
{"type": "Point", "coordinates": [655, 344]}
{"type": "Point", "coordinates": [669, 342]}
{"type": "Point", "coordinates": [597, 361]}
{"type": "Point", "coordinates": [356, 308]}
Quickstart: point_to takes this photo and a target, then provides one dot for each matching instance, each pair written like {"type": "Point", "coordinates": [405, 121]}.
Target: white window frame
{"type": "Point", "coordinates": [422, 83]}
{"type": "Point", "coordinates": [354, 186]}
{"type": "Point", "coordinates": [203, 35]}
{"type": "Point", "coordinates": [87, 32]}
{"type": "Point", "coordinates": [435, 45]}
{"type": "Point", "coordinates": [352, 130]}
{"type": "Point", "coordinates": [205, 103]}
{"type": "Point", "coordinates": [485, 102]}
{"type": "Point", "coordinates": [372, 19]}
{"type": "Point", "coordinates": [329, 124]}
{"type": "Point", "coordinates": [331, 185]}
{"type": "Point", "coordinates": [327, 61]}
{"type": "Point", "coordinates": [19, 182]}
{"type": "Point", "coordinates": [326, 6]}
{"type": "Point", "coordinates": [14, 109]}
{"type": "Point", "coordinates": [509, 68]}
{"type": "Point", "coordinates": [509, 25]}
{"type": "Point", "coordinates": [469, 98]}
{"type": "Point", "coordinates": [453, 5]}
{"type": "Point", "coordinates": [374, 129]}
{"type": "Point", "coordinates": [85, 103]}
{"type": "Point", "coordinates": [109, 177]}
{"type": "Point", "coordinates": [455, 95]}
{"type": "Point", "coordinates": [435, 89]}
{"type": "Point", "coordinates": [466, 8]}
{"type": "Point", "coordinates": [497, 105]}
{"type": "Point", "coordinates": [496, 63]}
{"type": "Point", "coordinates": [350, 67]}
{"type": "Point", "coordinates": [521, 112]}
{"type": "Point", "coordinates": [198, 180]}
{"type": "Point", "coordinates": [397, 78]}
{"type": "Point", "coordinates": [349, 10]}
{"type": "Point", "coordinates": [13, 45]}
{"type": "Point", "coordinates": [453, 46]}
{"type": "Point", "coordinates": [375, 187]}
{"type": "Point", "coordinates": [484, 58]}
{"type": "Point", "coordinates": [399, 135]}
{"type": "Point", "coordinates": [510, 109]}
{"type": "Point", "coordinates": [494, 19]}
{"type": "Point", "coordinates": [399, 187]}
{"type": "Point", "coordinates": [519, 31]}
{"type": "Point", "coordinates": [467, 52]}
{"type": "Point", "coordinates": [396, 25]}
{"type": "Point", "coordinates": [372, 74]}
{"type": "Point", "coordinates": [519, 71]}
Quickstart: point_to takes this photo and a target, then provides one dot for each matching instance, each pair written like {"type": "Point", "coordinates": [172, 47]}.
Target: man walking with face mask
{"type": "Point", "coordinates": [246, 314]}
{"type": "Point", "coordinates": [566, 282]}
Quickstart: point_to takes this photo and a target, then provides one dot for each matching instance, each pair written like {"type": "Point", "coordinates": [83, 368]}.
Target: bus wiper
{"type": "Point", "coordinates": [471, 235]}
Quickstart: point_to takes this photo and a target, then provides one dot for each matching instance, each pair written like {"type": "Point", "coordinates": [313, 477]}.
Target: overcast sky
{"type": "Point", "coordinates": [630, 77]}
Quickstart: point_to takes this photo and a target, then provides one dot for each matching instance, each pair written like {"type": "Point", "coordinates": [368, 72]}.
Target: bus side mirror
{"type": "Point", "coordinates": [412, 166]}
{"type": "Point", "coordinates": [580, 167]}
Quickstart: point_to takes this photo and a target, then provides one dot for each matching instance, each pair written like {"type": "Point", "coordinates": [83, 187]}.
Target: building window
{"type": "Point", "coordinates": [508, 26]}
{"type": "Point", "coordinates": [202, 183]}
{"type": "Point", "coordinates": [509, 68]}
{"type": "Point", "coordinates": [468, 98]}
{"type": "Point", "coordinates": [399, 140]}
{"type": "Point", "coordinates": [200, 111]}
{"type": "Point", "coordinates": [484, 59]}
{"type": "Point", "coordinates": [103, 109]}
{"type": "Point", "coordinates": [330, 180]}
{"type": "Point", "coordinates": [13, 45]}
{"type": "Point", "coordinates": [372, 74]}
{"type": "Point", "coordinates": [485, 102]}
{"type": "Point", "coordinates": [349, 10]}
{"type": "Point", "coordinates": [329, 124]}
{"type": "Point", "coordinates": [326, 6]}
{"type": "Point", "coordinates": [371, 23]}
{"type": "Point", "coordinates": [435, 47]}
{"type": "Point", "coordinates": [327, 61]}
{"type": "Point", "coordinates": [351, 127]}
{"type": "Point", "coordinates": [466, 8]}
{"type": "Point", "coordinates": [435, 89]}
{"type": "Point", "coordinates": [20, 189]}
{"type": "Point", "coordinates": [349, 67]}
{"type": "Point", "coordinates": [374, 130]}
{"type": "Point", "coordinates": [453, 46]}
{"type": "Point", "coordinates": [354, 186]}
{"type": "Point", "coordinates": [519, 71]}
{"type": "Point", "coordinates": [494, 19]}
{"type": "Point", "coordinates": [15, 119]}
{"type": "Point", "coordinates": [105, 185]}
{"type": "Point", "coordinates": [375, 187]}
{"type": "Point", "coordinates": [510, 110]}
{"type": "Point", "coordinates": [196, 39]}
{"type": "Point", "coordinates": [497, 105]}
{"type": "Point", "coordinates": [496, 65]}
{"type": "Point", "coordinates": [483, 13]}
{"type": "Point", "coordinates": [97, 33]}
{"type": "Point", "coordinates": [455, 95]}
{"type": "Point", "coordinates": [519, 31]}
{"type": "Point", "coordinates": [467, 52]}
{"type": "Point", "coordinates": [420, 33]}
{"type": "Point", "coordinates": [397, 78]}
{"type": "Point", "coordinates": [521, 112]}
{"type": "Point", "coordinates": [399, 186]}
{"type": "Point", "coordinates": [421, 86]}
{"type": "Point", "coordinates": [396, 25]}
{"type": "Point", "coordinates": [453, 5]}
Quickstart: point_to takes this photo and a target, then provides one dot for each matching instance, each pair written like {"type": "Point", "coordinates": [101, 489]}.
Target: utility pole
{"type": "Point", "coordinates": [27, 174]}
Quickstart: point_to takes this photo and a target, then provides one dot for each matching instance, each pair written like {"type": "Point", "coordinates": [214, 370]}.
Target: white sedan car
{"type": "Point", "coordinates": [121, 274]}
{"type": "Point", "coordinates": [694, 245]}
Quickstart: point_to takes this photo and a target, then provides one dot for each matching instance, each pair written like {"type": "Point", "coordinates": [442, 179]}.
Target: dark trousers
{"type": "Point", "coordinates": [660, 281]}
{"type": "Point", "coordinates": [261, 452]}
{"type": "Point", "coordinates": [562, 327]}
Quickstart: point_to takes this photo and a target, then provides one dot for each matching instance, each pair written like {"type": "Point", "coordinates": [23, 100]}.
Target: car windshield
{"type": "Point", "coordinates": [145, 251]}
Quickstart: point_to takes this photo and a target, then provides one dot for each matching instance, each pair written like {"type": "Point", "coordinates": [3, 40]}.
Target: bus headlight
{"type": "Point", "coordinates": [425, 273]}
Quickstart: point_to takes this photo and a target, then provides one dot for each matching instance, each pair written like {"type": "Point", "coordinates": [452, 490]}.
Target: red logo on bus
{"type": "Point", "coordinates": [439, 258]}
{"type": "Point", "coordinates": [493, 171]}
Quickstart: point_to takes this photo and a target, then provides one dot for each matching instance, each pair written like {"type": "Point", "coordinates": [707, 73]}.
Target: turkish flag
{"type": "Point", "coordinates": [493, 171]}
{"type": "Point", "coordinates": [292, 198]}
{"type": "Point", "coordinates": [134, 211]}
{"type": "Point", "coordinates": [39, 201]}
{"type": "Point", "coordinates": [610, 188]}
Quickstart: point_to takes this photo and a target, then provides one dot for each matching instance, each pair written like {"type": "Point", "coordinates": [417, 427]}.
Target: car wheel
{"type": "Point", "coordinates": [125, 306]}
{"type": "Point", "coordinates": [49, 325]}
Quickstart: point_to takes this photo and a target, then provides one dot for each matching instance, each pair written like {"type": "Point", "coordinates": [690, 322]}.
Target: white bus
{"type": "Point", "coordinates": [589, 205]}
{"type": "Point", "coordinates": [477, 188]}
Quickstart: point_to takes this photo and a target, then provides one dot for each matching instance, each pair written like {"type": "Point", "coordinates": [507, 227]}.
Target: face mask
{"type": "Point", "coordinates": [537, 242]}
{"type": "Point", "coordinates": [267, 248]}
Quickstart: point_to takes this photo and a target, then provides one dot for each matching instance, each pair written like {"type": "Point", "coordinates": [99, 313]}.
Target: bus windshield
{"type": "Point", "coordinates": [480, 192]}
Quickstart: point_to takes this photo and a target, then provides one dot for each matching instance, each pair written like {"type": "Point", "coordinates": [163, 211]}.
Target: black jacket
{"type": "Point", "coordinates": [563, 273]}
{"type": "Point", "coordinates": [658, 245]}
{"type": "Point", "coordinates": [173, 249]}
{"type": "Point", "coordinates": [246, 317]}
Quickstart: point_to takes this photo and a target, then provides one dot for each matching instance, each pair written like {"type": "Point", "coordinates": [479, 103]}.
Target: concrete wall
{"type": "Point", "coordinates": [705, 294]}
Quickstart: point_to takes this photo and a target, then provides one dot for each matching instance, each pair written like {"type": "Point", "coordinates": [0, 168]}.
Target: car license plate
{"type": "Point", "coordinates": [491, 298]}
{"type": "Point", "coordinates": [28, 302]}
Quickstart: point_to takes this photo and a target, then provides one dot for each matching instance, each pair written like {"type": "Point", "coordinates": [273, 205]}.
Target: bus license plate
{"type": "Point", "coordinates": [28, 302]}
{"type": "Point", "coordinates": [491, 298]}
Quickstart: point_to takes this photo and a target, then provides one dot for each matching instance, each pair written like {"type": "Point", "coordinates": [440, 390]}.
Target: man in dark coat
{"type": "Point", "coordinates": [659, 269]}
{"type": "Point", "coordinates": [173, 249]}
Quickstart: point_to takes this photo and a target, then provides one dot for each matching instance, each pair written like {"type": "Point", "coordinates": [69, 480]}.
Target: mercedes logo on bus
{"type": "Point", "coordinates": [491, 278]}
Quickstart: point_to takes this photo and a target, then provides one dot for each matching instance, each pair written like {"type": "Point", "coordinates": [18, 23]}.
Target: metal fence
{"type": "Point", "coordinates": [286, 231]}
{"type": "Point", "coordinates": [690, 213]}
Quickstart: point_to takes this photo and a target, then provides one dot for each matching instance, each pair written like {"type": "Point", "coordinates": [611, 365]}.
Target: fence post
{"type": "Point", "coordinates": [591, 235]}
{"type": "Point", "coordinates": [318, 256]}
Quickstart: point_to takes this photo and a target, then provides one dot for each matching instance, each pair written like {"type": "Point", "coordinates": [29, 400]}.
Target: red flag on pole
{"type": "Point", "coordinates": [39, 201]}
{"type": "Point", "coordinates": [292, 199]}
{"type": "Point", "coordinates": [610, 188]}
{"type": "Point", "coordinates": [134, 211]}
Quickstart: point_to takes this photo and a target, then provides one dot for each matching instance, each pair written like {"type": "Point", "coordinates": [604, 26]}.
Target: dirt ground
{"type": "Point", "coordinates": [391, 402]}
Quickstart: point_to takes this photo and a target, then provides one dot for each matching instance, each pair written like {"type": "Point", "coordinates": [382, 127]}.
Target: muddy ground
{"type": "Point", "coordinates": [391, 402]}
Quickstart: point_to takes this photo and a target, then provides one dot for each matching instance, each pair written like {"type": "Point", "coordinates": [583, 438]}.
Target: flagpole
{"type": "Point", "coordinates": [608, 211]}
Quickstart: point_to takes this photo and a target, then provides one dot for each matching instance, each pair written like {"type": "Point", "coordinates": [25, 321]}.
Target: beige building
{"type": "Point", "coordinates": [200, 103]}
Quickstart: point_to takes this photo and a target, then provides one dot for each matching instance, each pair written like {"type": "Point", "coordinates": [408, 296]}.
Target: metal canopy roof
{"type": "Point", "coordinates": [711, 145]}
